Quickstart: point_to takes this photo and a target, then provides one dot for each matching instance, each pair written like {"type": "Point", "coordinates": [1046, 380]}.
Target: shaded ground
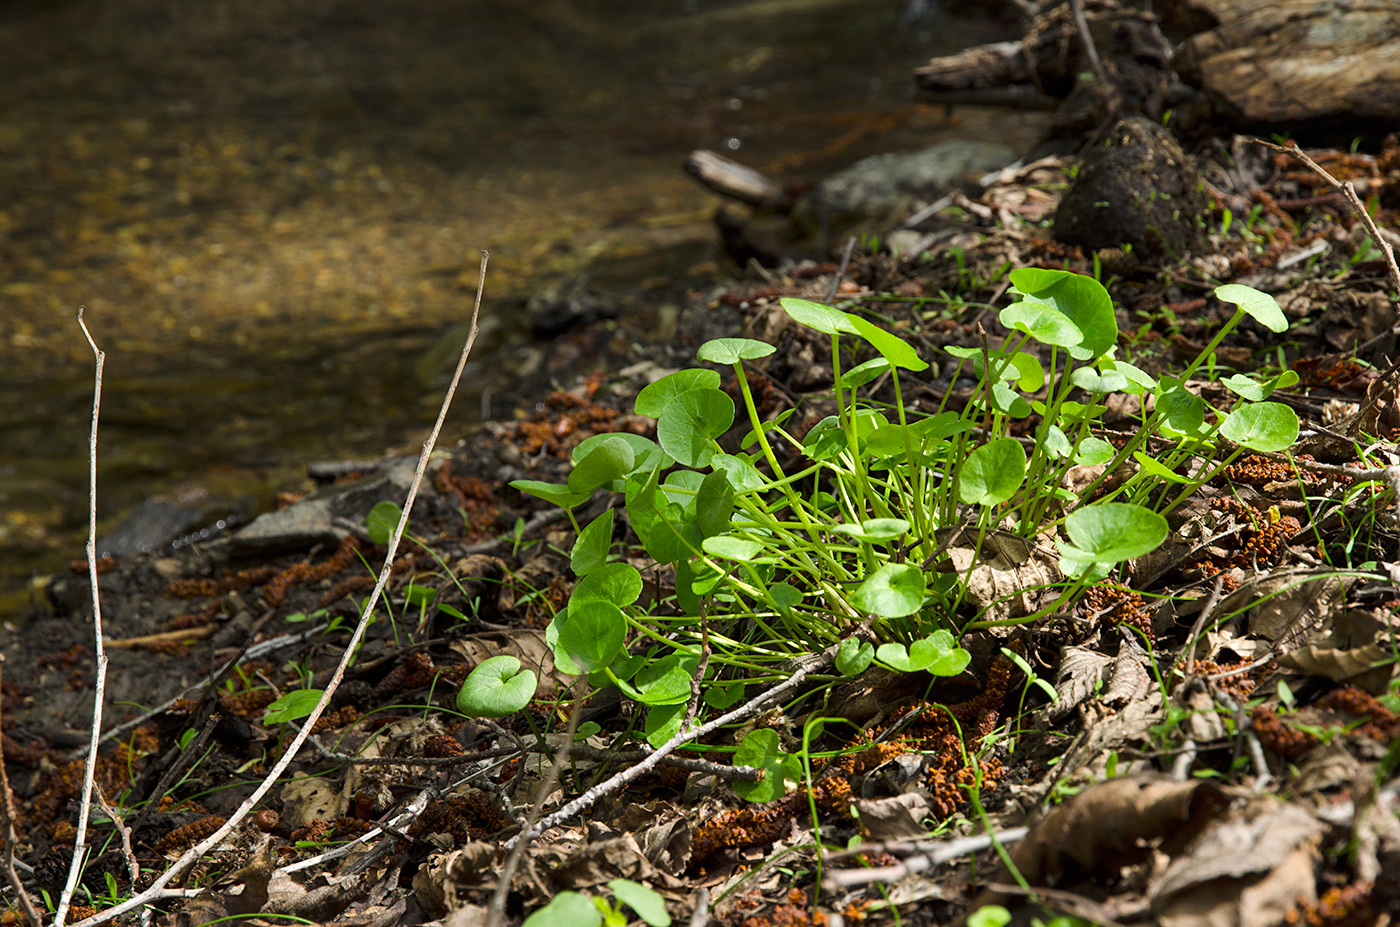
{"type": "Point", "coordinates": [272, 210]}
{"type": "Point", "coordinates": [1181, 696]}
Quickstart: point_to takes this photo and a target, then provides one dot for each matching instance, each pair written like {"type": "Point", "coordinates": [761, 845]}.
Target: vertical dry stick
{"type": "Point", "coordinates": [157, 887]}
{"type": "Point", "coordinates": [75, 865]}
{"type": "Point", "coordinates": [496, 911]}
{"type": "Point", "coordinates": [7, 818]}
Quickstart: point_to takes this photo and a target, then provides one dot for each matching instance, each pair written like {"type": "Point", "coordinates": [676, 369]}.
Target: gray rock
{"type": "Point", "coordinates": [880, 186]}
{"type": "Point", "coordinates": [329, 514]}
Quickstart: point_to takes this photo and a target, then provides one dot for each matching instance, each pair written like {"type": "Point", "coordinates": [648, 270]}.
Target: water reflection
{"type": "Point", "coordinates": [272, 208]}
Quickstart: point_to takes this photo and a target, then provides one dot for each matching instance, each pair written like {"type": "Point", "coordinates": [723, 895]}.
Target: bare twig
{"type": "Point", "coordinates": [1207, 608]}
{"type": "Point", "coordinates": [1347, 189]}
{"type": "Point", "coordinates": [133, 868]}
{"type": "Point", "coordinates": [586, 800]}
{"type": "Point", "coordinates": [75, 865]}
{"type": "Point", "coordinates": [351, 647]}
{"type": "Point", "coordinates": [701, 915]}
{"type": "Point", "coordinates": [496, 911]}
{"type": "Point", "coordinates": [1081, 25]}
{"type": "Point", "coordinates": [7, 821]}
{"type": "Point", "coordinates": [930, 854]}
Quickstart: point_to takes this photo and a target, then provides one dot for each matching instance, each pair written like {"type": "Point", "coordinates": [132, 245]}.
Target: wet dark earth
{"type": "Point", "coordinates": [272, 212]}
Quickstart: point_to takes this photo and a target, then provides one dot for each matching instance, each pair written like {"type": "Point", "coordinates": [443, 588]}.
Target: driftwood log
{"type": "Point", "coordinates": [1266, 64]}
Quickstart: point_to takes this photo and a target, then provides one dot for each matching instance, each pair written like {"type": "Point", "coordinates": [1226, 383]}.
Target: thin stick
{"type": "Point", "coordinates": [7, 819]}
{"type": "Point", "coordinates": [75, 865]}
{"type": "Point", "coordinates": [351, 648]}
{"type": "Point", "coordinates": [1348, 189]}
{"type": "Point", "coordinates": [586, 800]}
{"type": "Point", "coordinates": [496, 911]}
{"type": "Point", "coordinates": [1081, 25]}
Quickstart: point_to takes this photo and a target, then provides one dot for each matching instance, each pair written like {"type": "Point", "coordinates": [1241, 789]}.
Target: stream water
{"type": "Point", "coordinates": [272, 209]}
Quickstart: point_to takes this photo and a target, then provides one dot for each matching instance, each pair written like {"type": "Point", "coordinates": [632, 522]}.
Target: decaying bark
{"type": "Point", "coordinates": [1266, 63]}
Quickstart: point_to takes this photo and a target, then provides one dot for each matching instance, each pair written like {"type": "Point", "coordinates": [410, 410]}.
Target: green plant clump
{"type": "Point", "coordinates": [880, 515]}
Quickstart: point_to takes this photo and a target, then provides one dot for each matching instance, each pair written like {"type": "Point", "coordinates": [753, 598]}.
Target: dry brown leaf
{"type": "Point", "coordinates": [1247, 870]}
{"type": "Point", "coordinates": [1128, 678]}
{"type": "Point", "coordinates": [1081, 673]}
{"type": "Point", "coordinates": [899, 817]}
{"type": "Point", "coordinates": [1110, 825]}
{"type": "Point", "coordinates": [1009, 577]}
{"type": "Point", "coordinates": [1368, 667]}
{"type": "Point", "coordinates": [1295, 608]}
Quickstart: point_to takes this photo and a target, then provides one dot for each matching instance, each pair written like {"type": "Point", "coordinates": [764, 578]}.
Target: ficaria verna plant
{"type": "Point", "coordinates": [877, 513]}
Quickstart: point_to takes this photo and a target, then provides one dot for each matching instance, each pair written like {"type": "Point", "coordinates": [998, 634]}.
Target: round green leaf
{"type": "Point", "coordinates": [814, 315]}
{"type": "Point", "coordinates": [1262, 426]}
{"type": "Point", "coordinates": [495, 688]}
{"type": "Point", "coordinates": [733, 350]}
{"type": "Point", "coordinates": [654, 396]}
{"type": "Point", "coordinates": [690, 423]}
{"type": "Point", "coordinates": [893, 348]}
{"type": "Point", "coordinates": [609, 460]}
{"type": "Point", "coordinates": [1094, 451]}
{"type": "Point", "coordinates": [649, 906]}
{"type": "Point", "coordinates": [666, 681]}
{"type": "Point", "coordinates": [1080, 298]}
{"type": "Point", "coordinates": [893, 591]}
{"type": "Point", "coordinates": [1044, 323]}
{"type": "Point", "coordinates": [1261, 306]}
{"type": "Point", "coordinates": [381, 521]}
{"type": "Point", "coordinates": [1092, 381]}
{"type": "Point", "coordinates": [592, 635]}
{"type": "Point", "coordinates": [1247, 387]}
{"type": "Point", "coordinates": [743, 476]}
{"type": "Point", "coordinates": [940, 654]}
{"type": "Point", "coordinates": [1181, 410]}
{"type": "Point", "coordinates": [293, 706]}
{"type": "Point", "coordinates": [663, 722]}
{"type": "Point", "coordinates": [861, 374]}
{"type": "Point", "coordinates": [853, 656]}
{"type": "Point", "coordinates": [993, 472]}
{"type": "Point", "coordinates": [618, 583]}
{"type": "Point", "coordinates": [1112, 532]}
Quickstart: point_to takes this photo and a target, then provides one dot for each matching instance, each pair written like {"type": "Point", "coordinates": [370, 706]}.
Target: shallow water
{"type": "Point", "coordinates": [272, 208]}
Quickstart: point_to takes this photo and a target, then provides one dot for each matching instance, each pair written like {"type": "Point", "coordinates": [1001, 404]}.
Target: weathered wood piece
{"type": "Point", "coordinates": [1282, 61]}
{"type": "Point", "coordinates": [736, 181]}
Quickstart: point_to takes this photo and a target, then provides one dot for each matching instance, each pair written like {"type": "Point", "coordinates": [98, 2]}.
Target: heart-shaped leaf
{"type": "Point", "coordinates": [714, 503]}
{"type": "Point", "coordinates": [853, 656]}
{"type": "Point", "coordinates": [690, 423]}
{"type": "Point", "coordinates": [654, 396]}
{"type": "Point", "coordinates": [760, 749]}
{"type": "Point", "coordinates": [381, 521]}
{"type": "Point", "coordinates": [495, 688]}
{"type": "Point", "coordinates": [646, 453]}
{"type": "Point", "coordinates": [1082, 299]}
{"type": "Point", "coordinates": [592, 634]}
{"type": "Point", "coordinates": [609, 460]}
{"type": "Point", "coordinates": [1262, 426]}
{"type": "Point", "coordinates": [618, 583]}
{"type": "Point", "coordinates": [1261, 306]}
{"type": "Point", "coordinates": [733, 350]}
{"type": "Point", "coordinates": [1042, 322]}
{"type": "Point", "coordinates": [1112, 532]}
{"type": "Point", "coordinates": [293, 706]}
